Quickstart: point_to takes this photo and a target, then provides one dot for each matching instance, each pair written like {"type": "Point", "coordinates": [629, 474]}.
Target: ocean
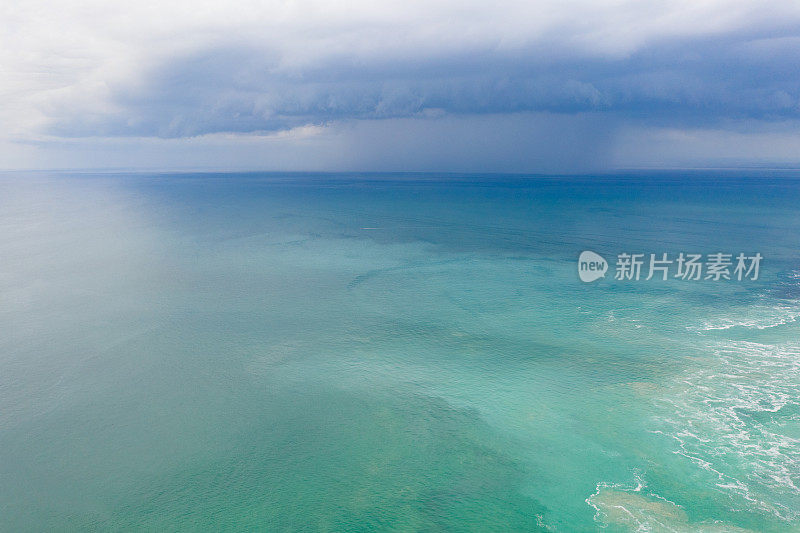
{"type": "Point", "coordinates": [396, 352]}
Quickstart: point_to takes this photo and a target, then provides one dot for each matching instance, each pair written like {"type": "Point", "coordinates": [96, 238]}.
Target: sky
{"type": "Point", "coordinates": [556, 86]}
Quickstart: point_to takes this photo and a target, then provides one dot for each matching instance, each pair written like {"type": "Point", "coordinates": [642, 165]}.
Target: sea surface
{"type": "Point", "coordinates": [392, 352]}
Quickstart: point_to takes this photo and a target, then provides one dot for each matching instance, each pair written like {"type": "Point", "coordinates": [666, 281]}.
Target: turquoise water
{"type": "Point", "coordinates": [405, 353]}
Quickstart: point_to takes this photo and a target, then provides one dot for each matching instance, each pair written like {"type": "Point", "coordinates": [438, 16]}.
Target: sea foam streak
{"type": "Point", "coordinates": [735, 416]}
{"type": "Point", "coordinates": [755, 317]}
{"type": "Point", "coordinates": [745, 406]}
{"type": "Point", "coordinates": [633, 508]}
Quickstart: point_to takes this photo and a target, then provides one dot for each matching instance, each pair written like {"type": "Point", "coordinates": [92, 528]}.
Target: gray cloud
{"type": "Point", "coordinates": [525, 85]}
{"type": "Point", "coordinates": [682, 82]}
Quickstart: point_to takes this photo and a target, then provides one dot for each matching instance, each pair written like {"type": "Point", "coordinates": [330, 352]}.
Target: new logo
{"type": "Point", "coordinates": [591, 266]}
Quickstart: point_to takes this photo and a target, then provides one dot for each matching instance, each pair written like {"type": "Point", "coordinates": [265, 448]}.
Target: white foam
{"type": "Point", "coordinates": [729, 403]}
{"type": "Point", "coordinates": [755, 317]}
{"type": "Point", "coordinates": [635, 509]}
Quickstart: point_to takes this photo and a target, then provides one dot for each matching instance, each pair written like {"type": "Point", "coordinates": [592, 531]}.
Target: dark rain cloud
{"type": "Point", "coordinates": [698, 82]}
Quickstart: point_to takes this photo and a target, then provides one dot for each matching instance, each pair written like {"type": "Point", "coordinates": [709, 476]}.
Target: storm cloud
{"type": "Point", "coordinates": [517, 85]}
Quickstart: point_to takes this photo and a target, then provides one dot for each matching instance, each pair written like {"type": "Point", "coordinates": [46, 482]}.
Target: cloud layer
{"type": "Point", "coordinates": [563, 82]}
